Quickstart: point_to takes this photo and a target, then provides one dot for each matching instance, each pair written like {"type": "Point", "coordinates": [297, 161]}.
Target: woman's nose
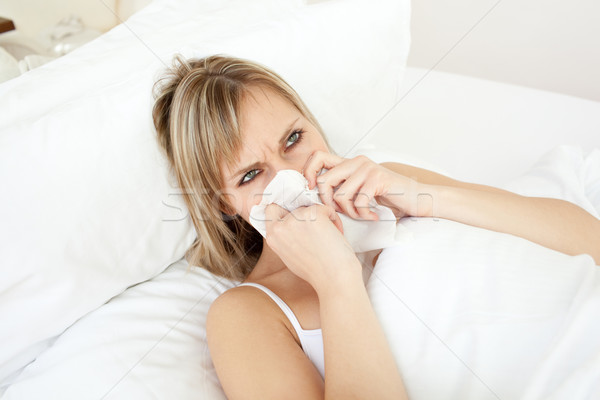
{"type": "Point", "coordinates": [282, 164]}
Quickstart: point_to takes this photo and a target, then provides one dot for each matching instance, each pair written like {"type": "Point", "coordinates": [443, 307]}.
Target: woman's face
{"type": "Point", "coordinates": [275, 136]}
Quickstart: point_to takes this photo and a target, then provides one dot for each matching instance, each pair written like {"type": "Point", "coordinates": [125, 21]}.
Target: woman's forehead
{"type": "Point", "coordinates": [264, 116]}
{"type": "Point", "coordinates": [262, 107]}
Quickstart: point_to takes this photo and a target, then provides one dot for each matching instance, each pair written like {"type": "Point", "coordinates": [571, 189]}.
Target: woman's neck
{"type": "Point", "coordinates": [268, 264]}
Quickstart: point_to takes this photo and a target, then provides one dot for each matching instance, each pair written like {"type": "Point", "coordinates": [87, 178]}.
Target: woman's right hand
{"type": "Point", "coordinates": [310, 242]}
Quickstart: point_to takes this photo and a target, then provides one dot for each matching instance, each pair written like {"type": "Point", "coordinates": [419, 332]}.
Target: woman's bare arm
{"type": "Point", "coordinates": [553, 223]}
{"type": "Point", "coordinates": [358, 360]}
{"type": "Point", "coordinates": [256, 356]}
{"type": "Point", "coordinates": [425, 176]}
{"type": "Point", "coordinates": [254, 353]}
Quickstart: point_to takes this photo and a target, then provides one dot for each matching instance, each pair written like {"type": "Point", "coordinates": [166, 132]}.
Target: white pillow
{"type": "Point", "coordinates": [89, 210]}
{"type": "Point", "coordinates": [347, 72]}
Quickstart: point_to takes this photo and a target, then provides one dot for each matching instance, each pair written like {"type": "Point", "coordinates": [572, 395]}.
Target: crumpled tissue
{"type": "Point", "coordinates": [289, 189]}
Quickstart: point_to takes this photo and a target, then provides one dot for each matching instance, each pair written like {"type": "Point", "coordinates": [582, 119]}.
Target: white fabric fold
{"type": "Point", "coordinates": [289, 189]}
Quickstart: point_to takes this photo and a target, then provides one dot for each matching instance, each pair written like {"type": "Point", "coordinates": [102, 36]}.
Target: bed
{"type": "Point", "coordinates": [97, 301]}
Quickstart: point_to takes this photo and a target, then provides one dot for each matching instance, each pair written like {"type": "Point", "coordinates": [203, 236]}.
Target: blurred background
{"type": "Point", "coordinates": [551, 45]}
{"type": "Point", "coordinates": [32, 16]}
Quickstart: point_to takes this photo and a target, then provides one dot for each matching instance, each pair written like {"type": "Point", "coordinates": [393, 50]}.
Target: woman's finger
{"type": "Point", "coordinates": [335, 218]}
{"type": "Point", "coordinates": [355, 194]}
{"type": "Point", "coordinates": [273, 212]}
{"type": "Point", "coordinates": [326, 194]}
{"type": "Point", "coordinates": [361, 203]}
{"type": "Point", "coordinates": [330, 182]}
{"type": "Point", "coordinates": [316, 162]}
{"type": "Point", "coordinates": [347, 192]}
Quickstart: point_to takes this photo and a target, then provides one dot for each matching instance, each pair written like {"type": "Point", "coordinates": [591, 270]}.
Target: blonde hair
{"type": "Point", "coordinates": [196, 115]}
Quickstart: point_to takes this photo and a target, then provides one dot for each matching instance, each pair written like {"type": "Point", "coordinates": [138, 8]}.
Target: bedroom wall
{"type": "Point", "coordinates": [547, 44]}
{"type": "Point", "coordinates": [32, 16]}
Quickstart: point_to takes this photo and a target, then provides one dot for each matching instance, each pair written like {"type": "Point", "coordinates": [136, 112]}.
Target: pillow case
{"type": "Point", "coordinates": [91, 209]}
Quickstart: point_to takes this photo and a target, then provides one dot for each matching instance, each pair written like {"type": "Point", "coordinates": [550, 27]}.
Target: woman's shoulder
{"type": "Point", "coordinates": [242, 305]}
{"type": "Point", "coordinates": [248, 307]}
{"type": "Point", "coordinates": [253, 351]}
{"type": "Point", "coordinates": [238, 300]}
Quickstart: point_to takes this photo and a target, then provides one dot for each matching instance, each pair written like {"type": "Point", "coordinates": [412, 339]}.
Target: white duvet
{"type": "Point", "coordinates": [469, 313]}
{"type": "Point", "coordinates": [473, 314]}
{"type": "Point", "coordinates": [476, 314]}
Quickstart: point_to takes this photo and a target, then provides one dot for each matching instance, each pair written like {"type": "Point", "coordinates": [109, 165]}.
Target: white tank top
{"type": "Point", "coordinates": [311, 339]}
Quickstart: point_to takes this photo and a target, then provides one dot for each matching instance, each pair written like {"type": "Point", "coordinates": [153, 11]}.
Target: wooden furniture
{"type": "Point", "coordinates": [6, 25]}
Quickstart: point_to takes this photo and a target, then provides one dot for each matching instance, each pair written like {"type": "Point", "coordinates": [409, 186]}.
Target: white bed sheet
{"type": "Point", "coordinates": [147, 343]}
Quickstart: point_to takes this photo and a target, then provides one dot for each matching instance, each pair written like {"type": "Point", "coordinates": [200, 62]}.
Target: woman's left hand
{"type": "Point", "coordinates": [350, 184]}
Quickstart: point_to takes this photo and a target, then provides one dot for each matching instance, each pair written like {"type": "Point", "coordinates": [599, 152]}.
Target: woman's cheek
{"type": "Point", "coordinates": [257, 194]}
{"type": "Point", "coordinates": [251, 198]}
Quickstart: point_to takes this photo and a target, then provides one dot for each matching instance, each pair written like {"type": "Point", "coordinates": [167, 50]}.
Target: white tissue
{"type": "Point", "coordinates": [289, 189]}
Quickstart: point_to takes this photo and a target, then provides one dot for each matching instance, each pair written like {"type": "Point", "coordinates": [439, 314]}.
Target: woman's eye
{"type": "Point", "coordinates": [294, 138]}
{"type": "Point", "coordinates": [249, 176]}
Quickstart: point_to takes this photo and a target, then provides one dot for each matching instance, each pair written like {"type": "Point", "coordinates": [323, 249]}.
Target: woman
{"type": "Point", "coordinates": [227, 126]}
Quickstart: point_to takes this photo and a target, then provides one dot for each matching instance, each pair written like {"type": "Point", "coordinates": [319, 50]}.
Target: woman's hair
{"type": "Point", "coordinates": [197, 119]}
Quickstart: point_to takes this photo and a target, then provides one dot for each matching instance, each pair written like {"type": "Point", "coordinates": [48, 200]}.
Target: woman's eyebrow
{"type": "Point", "coordinates": [256, 164]}
{"type": "Point", "coordinates": [248, 168]}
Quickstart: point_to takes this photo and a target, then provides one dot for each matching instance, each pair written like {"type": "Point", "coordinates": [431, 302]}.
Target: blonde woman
{"type": "Point", "coordinates": [301, 326]}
